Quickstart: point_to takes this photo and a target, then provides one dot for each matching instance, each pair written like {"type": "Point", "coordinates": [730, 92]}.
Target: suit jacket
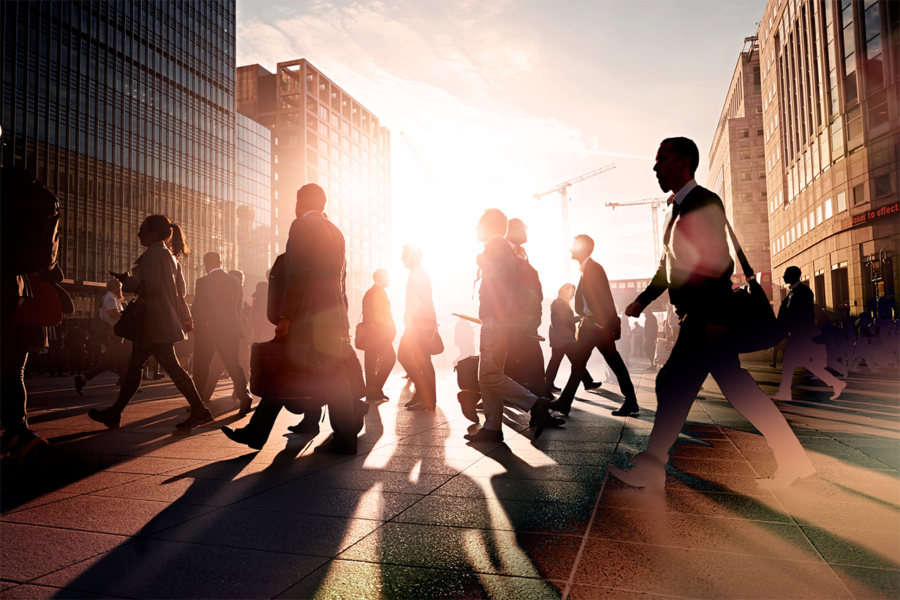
{"type": "Point", "coordinates": [217, 306]}
{"type": "Point", "coordinates": [160, 283]}
{"type": "Point", "coordinates": [498, 276]}
{"type": "Point", "coordinates": [593, 294]}
{"type": "Point", "coordinates": [314, 295]}
{"type": "Point", "coordinates": [796, 315]}
{"type": "Point", "coordinates": [376, 309]}
{"type": "Point", "coordinates": [696, 266]}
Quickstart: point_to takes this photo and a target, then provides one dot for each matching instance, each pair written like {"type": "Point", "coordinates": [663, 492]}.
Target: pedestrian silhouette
{"type": "Point", "coordinates": [563, 342]}
{"type": "Point", "coordinates": [419, 331]}
{"type": "Point", "coordinates": [380, 331]}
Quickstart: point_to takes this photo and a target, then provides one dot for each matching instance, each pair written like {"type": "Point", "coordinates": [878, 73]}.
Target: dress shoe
{"type": "Point", "coordinates": [627, 409]}
{"type": "Point", "coordinates": [560, 407]}
{"type": "Point", "coordinates": [485, 436]}
{"type": "Point", "coordinates": [540, 412]}
{"type": "Point", "coordinates": [197, 418]}
{"type": "Point", "coordinates": [467, 402]}
{"type": "Point", "coordinates": [377, 401]}
{"type": "Point", "coordinates": [334, 447]}
{"type": "Point", "coordinates": [594, 385]}
{"type": "Point", "coordinates": [646, 473]}
{"type": "Point", "coordinates": [106, 416]}
{"type": "Point", "coordinates": [409, 405]}
{"type": "Point", "coordinates": [79, 385]}
{"type": "Point", "coordinates": [306, 426]}
{"type": "Point", "coordinates": [242, 437]}
{"type": "Point", "coordinates": [420, 406]}
{"type": "Point", "coordinates": [783, 478]}
{"type": "Point", "coordinates": [246, 406]}
{"type": "Point", "coordinates": [837, 389]}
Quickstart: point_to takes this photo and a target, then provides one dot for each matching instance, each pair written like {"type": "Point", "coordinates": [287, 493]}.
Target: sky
{"type": "Point", "coordinates": [504, 99]}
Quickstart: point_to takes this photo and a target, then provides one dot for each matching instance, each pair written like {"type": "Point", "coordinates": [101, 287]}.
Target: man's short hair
{"type": "Point", "coordinates": [586, 241]}
{"type": "Point", "coordinates": [515, 223]}
{"type": "Point", "coordinates": [379, 274]}
{"type": "Point", "coordinates": [685, 148]}
{"type": "Point", "coordinates": [211, 257]}
{"type": "Point", "coordinates": [313, 196]}
{"type": "Point", "coordinates": [413, 252]}
{"type": "Point", "coordinates": [496, 220]}
{"type": "Point", "coordinates": [792, 274]}
{"type": "Point", "coordinates": [113, 285]}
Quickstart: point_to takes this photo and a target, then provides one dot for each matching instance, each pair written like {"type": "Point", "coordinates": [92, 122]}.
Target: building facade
{"type": "Point", "coordinates": [321, 134]}
{"type": "Point", "coordinates": [123, 109]}
{"type": "Point", "coordinates": [831, 88]}
{"type": "Point", "coordinates": [737, 164]}
{"type": "Point", "coordinates": [253, 196]}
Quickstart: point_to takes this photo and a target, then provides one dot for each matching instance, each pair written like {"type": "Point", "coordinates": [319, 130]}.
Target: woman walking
{"type": "Point", "coordinates": [159, 283]}
{"type": "Point", "coordinates": [562, 338]}
{"type": "Point", "coordinates": [420, 327]}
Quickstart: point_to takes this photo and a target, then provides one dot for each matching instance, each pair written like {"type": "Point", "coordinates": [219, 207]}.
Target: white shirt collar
{"type": "Point", "coordinates": [582, 263]}
{"type": "Point", "coordinates": [683, 192]}
{"type": "Point", "coordinates": [312, 212]}
{"type": "Point", "coordinates": [214, 270]}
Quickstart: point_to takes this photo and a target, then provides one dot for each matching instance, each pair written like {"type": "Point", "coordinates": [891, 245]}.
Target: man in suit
{"type": "Point", "coordinates": [600, 328]}
{"type": "Point", "coordinates": [797, 319]}
{"type": "Point", "coordinates": [217, 327]}
{"type": "Point", "coordinates": [313, 311]}
{"type": "Point", "coordinates": [498, 278]}
{"type": "Point", "coordinates": [378, 324]}
{"type": "Point", "coordinates": [696, 268]}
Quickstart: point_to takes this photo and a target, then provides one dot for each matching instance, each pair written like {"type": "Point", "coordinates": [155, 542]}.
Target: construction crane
{"type": "Point", "coordinates": [563, 189]}
{"type": "Point", "coordinates": [654, 203]}
{"type": "Point", "coordinates": [422, 164]}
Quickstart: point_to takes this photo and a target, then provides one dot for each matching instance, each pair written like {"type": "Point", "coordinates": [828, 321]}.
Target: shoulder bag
{"type": "Point", "coordinates": [362, 339]}
{"type": "Point", "coordinates": [130, 325]}
{"type": "Point", "coordinates": [752, 326]}
{"type": "Point", "coordinates": [284, 370]}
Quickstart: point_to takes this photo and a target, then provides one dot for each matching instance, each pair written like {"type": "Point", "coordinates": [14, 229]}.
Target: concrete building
{"type": "Point", "coordinates": [123, 109]}
{"type": "Point", "coordinates": [737, 164]}
{"type": "Point", "coordinates": [321, 134]}
{"type": "Point", "coordinates": [831, 82]}
{"type": "Point", "coordinates": [254, 251]}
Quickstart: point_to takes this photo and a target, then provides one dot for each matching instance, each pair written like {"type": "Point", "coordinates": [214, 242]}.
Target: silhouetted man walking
{"type": "Point", "coordinates": [696, 269]}
{"type": "Point", "coordinates": [797, 319]}
{"type": "Point", "coordinates": [600, 328]}
{"type": "Point", "coordinates": [380, 332]}
{"type": "Point", "coordinates": [217, 327]}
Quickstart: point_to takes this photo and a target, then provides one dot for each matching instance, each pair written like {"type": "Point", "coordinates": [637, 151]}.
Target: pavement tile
{"type": "Point", "coordinates": [478, 550]}
{"type": "Point", "coordinates": [148, 465]}
{"type": "Point", "coordinates": [109, 515]}
{"type": "Point", "coordinates": [854, 547]}
{"type": "Point", "coordinates": [312, 535]}
{"type": "Point", "coordinates": [871, 584]}
{"type": "Point", "coordinates": [42, 592]}
{"type": "Point", "coordinates": [12, 503]}
{"type": "Point", "coordinates": [341, 579]}
{"type": "Point", "coordinates": [209, 492]}
{"type": "Point", "coordinates": [407, 464]}
{"type": "Point", "coordinates": [299, 498]}
{"type": "Point", "coordinates": [697, 573]}
{"type": "Point", "coordinates": [587, 592]}
{"type": "Point", "coordinates": [29, 552]}
{"type": "Point", "coordinates": [514, 468]}
{"type": "Point", "coordinates": [150, 568]}
{"type": "Point", "coordinates": [713, 504]}
{"type": "Point", "coordinates": [870, 516]}
{"type": "Point", "coordinates": [735, 535]}
{"type": "Point", "coordinates": [99, 481]}
{"type": "Point", "coordinates": [351, 479]}
{"type": "Point", "coordinates": [574, 492]}
{"type": "Point", "coordinates": [491, 513]}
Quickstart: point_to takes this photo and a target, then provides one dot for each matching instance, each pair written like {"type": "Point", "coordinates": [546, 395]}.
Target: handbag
{"type": "Point", "coordinates": [362, 340]}
{"type": "Point", "coordinates": [436, 345]}
{"type": "Point", "coordinates": [283, 370]}
{"type": "Point", "coordinates": [130, 325]}
{"type": "Point", "coordinates": [42, 308]}
{"type": "Point", "coordinates": [752, 326]}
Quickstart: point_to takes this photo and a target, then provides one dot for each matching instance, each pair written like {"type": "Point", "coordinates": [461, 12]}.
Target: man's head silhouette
{"type": "Point", "coordinates": [792, 275]}
{"type": "Point", "coordinates": [676, 163]}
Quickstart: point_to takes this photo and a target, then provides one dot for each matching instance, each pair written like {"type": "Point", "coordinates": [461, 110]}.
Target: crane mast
{"type": "Point", "coordinates": [563, 189]}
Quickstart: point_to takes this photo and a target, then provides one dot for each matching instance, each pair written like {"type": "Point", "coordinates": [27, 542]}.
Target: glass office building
{"type": "Point", "coordinates": [253, 194]}
{"type": "Point", "coordinates": [831, 122]}
{"type": "Point", "coordinates": [321, 134]}
{"type": "Point", "coordinates": [123, 109]}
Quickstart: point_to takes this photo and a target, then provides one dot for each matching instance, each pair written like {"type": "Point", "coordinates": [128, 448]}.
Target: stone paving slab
{"type": "Point", "coordinates": [146, 512]}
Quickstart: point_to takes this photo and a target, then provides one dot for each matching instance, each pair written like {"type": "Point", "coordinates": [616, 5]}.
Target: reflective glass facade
{"type": "Point", "coordinates": [124, 109]}
{"type": "Point", "coordinates": [323, 135]}
{"type": "Point", "coordinates": [253, 195]}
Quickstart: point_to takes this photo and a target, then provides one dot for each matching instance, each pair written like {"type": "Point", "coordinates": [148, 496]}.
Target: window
{"type": "Point", "coordinates": [747, 196]}
{"type": "Point", "coordinates": [818, 215]}
{"type": "Point", "coordinates": [760, 132]}
{"type": "Point", "coordinates": [841, 202]}
{"type": "Point", "coordinates": [872, 35]}
{"type": "Point", "coordinates": [744, 154]}
{"type": "Point", "coordinates": [804, 225]}
{"type": "Point", "coordinates": [883, 185]}
{"type": "Point", "coordinates": [812, 219]}
{"type": "Point", "coordinates": [761, 174]}
{"type": "Point", "coordinates": [743, 133]}
{"type": "Point", "coordinates": [859, 194]}
{"type": "Point", "coordinates": [760, 152]}
{"type": "Point", "coordinates": [828, 213]}
{"type": "Point", "coordinates": [746, 176]}
{"type": "Point", "coordinates": [850, 92]}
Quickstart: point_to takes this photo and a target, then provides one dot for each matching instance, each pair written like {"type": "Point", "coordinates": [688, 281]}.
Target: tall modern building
{"type": "Point", "coordinates": [253, 195]}
{"type": "Point", "coordinates": [123, 109]}
{"type": "Point", "coordinates": [831, 88]}
{"type": "Point", "coordinates": [321, 134]}
{"type": "Point", "coordinates": [737, 159]}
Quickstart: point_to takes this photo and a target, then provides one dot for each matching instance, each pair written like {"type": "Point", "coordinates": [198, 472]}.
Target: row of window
{"type": "Point", "coordinates": [809, 222]}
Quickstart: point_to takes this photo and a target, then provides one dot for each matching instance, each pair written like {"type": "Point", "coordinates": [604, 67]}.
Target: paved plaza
{"type": "Point", "coordinates": [144, 512]}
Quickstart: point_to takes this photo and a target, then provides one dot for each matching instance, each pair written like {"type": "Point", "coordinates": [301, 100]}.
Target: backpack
{"type": "Point", "coordinates": [30, 223]}
{"type": "Point", "coordinates": [527, 296]}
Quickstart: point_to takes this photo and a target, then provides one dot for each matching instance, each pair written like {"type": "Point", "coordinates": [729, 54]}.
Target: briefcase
{"type": "Point", "coordinates": [467, 374]}
{"type": "Point", "coordinates": [283, 370]}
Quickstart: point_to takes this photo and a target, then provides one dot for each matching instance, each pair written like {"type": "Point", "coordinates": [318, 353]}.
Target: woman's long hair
{"type": "Point", "coordinates": [561, 294]}
{"type": "Point", "coordinates": [178, 242]}
{"type": "Point", "coordinates": [169, 232]}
